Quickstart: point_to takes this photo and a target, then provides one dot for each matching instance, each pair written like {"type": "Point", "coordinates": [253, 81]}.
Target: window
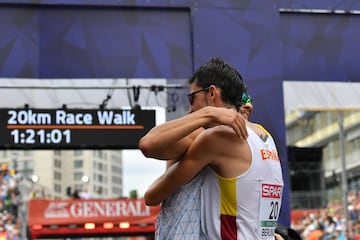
{"type": "Point", "coordinates": [78, 163]}
{"type": "Point", "coordinates": [100, 166]}
{"type": "Point", "coordinates": [78, 175]}
{"type": "Point", "coordinates": [28, 164]}
{"type": "Point", "coordinates": [28, 153]}
{"type": "Point", "coordinates": [100, 154]}
{"type": "Point", "coordinates": [116, 180]}
{"type": "Point", "coordinates": [79, 187]}
{"type": "Point", "coordinates": [57, 175]}
{"type": "Point", "coordinates": [116, 191]}
{"type": "Point", "coordinates": [3, 154]}
{"type": "Point", "coordinates": [57, 188]}
{"type": "Point", "coordinates": [78, 152]}
{"type": "Point", "coordinates": [116, 169]}
{"type": "Point", "coordinates": [100, 178]}
{"type": "Point", "coordinates": [57, 163]}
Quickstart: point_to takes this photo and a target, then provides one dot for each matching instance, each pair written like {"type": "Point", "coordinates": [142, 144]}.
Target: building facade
{"type": "Point", "coordinates": [312, 130]}
{"type": "Point", "coordinates": [59, 173]}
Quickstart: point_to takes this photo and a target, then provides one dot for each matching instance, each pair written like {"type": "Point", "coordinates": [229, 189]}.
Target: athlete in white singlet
{"type": "Point", "coordinates": [249, 204]}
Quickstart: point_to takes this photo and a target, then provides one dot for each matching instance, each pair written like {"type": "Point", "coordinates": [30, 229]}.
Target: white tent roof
{"type": "Point", "coordinates": [321, 96]}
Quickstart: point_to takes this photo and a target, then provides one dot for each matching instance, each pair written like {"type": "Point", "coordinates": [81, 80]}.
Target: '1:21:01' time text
{"type": "Point", "coordinates": [41, 136]}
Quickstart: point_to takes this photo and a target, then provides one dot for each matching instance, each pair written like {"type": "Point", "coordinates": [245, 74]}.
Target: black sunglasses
{"type": "Point", "coordinates": [192, 95]}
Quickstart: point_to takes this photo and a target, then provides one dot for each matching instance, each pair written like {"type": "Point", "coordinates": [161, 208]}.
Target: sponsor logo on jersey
{"type": "Point", "coordinates": [271, 190]}
{"type": "Point", "coordinates": [269, 155]}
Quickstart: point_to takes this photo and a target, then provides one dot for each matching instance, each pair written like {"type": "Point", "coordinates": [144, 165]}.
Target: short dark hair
{"type": "Point", "coordinates": [224, 76]}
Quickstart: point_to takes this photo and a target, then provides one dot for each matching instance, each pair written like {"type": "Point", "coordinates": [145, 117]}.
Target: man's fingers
{"type": "Point", "coordinates": [240, 126]}
{"type": "Point", "coordinates": [244, 133]}
{"type": "Point", "coordinates": [233, 119]}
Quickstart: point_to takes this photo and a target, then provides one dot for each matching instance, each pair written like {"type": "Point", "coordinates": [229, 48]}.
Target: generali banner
{"type": "Point", "coordinates": [47, 212]}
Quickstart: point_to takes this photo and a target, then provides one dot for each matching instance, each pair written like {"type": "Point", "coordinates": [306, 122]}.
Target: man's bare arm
{"type": "Point", "coordinates": [170, 140]}
{"type": "Point", "coordinates": [184, 170]}
{"type": "Point", "coordinates": [174, 177]}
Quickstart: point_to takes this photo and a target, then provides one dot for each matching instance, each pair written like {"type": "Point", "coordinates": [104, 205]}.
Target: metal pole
{"type": "Point", "coordinates": [344, 179]}
{"type": "Point", "coordinates": [85, 87]}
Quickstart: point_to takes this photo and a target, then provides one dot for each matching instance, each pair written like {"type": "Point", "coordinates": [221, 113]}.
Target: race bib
{"type": "Point", "coordinates": [270, 203]}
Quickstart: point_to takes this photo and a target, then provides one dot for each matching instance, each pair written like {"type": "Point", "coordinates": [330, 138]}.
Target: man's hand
{"type": "Point", "coordinates": [231, 118]}
{"type": "Point", "coordinates": [278, 237]}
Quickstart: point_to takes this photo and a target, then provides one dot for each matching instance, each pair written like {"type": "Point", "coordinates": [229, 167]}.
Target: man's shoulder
{"type": "Point", "coordinates": [219, 132]}
{"type": "Point", "coordinates": [259, 129]}
{"type": "Point", "coordinates": [219, 137]}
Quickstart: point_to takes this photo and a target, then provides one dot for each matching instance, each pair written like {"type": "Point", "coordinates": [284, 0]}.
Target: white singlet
{"type": "Point", "coordinates": [245, 207]}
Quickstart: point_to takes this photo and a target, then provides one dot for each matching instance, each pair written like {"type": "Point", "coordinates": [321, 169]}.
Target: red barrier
{"type": "Point", "coordinates": [92, 217]}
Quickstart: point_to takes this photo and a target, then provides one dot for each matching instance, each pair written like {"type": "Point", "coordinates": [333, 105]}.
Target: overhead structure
{"type": "Point", "coordinates": [88, 93]}
{"type": "Point", "coordinates": [321, 96]}
{"type": "Point", "coordinates": [302, 97]}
